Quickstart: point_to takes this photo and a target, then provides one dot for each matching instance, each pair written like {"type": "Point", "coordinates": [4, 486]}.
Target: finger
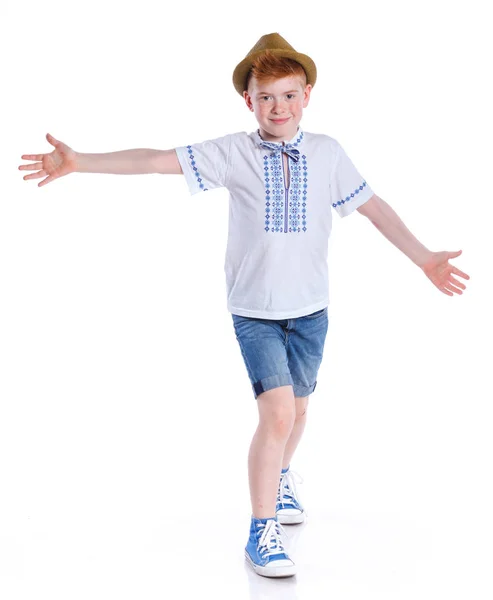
{"type": "Point", "coordinates": [37, 175]}
{"type": "Point", "coordinates": [442, 289]}
{"type": "Point", "coordinates": [52, 140]}
{"type": "Point", "coordinates": [38, 165]}
{"type": "Point", "coordinates": [47, 180]}
{"type": "Point", "coordinates": [451, 288]}
{"type": "Point", "coordinates": [32, 156]}
{"type": "Point", "coordinates": [461, 273]}
{"type": "Point", "coordinates": [454, 254]}
{"type": "Point", "coordinates": [456, 282]}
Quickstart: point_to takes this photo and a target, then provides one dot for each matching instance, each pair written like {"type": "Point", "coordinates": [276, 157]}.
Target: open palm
{"type": "Point", "coordinates": [441, 273]}
{"type": "Point", "coordinates": [58, 163]}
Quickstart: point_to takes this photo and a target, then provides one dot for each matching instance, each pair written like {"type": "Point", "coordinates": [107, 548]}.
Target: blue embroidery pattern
{"type": "Point", "coordinates": [305, 185]}
{"type": "Point", "coordinates": [348, 198]}
{"type": "Point", "coordinates": [196, 171]}
{"type": "Point", "coordinates": [295, 198]}
{"type": "Point", "coordinates": [285, 210]}
{"type": "Point", "coordinates": [274, 165]}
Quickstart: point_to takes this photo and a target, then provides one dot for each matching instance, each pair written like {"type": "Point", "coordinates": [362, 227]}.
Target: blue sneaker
{"type": "Point", "coordinates": [265, 550]}
{"type": "Point", "coordinates": [289, 510]}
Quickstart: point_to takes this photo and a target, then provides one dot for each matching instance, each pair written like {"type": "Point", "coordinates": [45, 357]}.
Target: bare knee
{"type": "Point", "coordinates": [277, 410]}
{"type": "Point", "coordinates": [280, 422]}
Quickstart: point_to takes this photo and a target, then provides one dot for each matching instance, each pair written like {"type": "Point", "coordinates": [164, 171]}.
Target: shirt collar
{"type": "Point", "coordinates": [295, 141]}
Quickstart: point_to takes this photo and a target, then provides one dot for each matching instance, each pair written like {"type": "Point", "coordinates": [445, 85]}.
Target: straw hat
{"type": "Point", "coordinates": [278, 46]}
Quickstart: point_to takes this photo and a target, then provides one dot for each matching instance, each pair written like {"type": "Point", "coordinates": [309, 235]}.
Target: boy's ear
{"type": "Point", "coordinates": [307, 93]}
{"type": "Point", "coordinates": [247, 100]}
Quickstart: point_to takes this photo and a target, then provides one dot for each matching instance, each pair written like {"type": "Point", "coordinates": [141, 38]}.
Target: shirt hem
{"type": "Point", "coordinates": [276, 315]}
{"type": "Point", "coordinates": [184, 160]}
{"type": "Point", "coordinates": [364, 195]}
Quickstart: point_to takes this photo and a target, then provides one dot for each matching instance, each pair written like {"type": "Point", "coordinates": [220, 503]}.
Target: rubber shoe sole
{"type": "Point", "coordinates": [278, 568]}
{"type": "Point", "coordinates": [287, 519]}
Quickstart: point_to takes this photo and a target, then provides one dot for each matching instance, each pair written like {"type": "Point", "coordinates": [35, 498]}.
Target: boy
{"type": "Point", "coordinates": [281, 181]}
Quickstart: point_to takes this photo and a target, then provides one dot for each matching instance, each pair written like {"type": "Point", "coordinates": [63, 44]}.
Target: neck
{"type": "Point", "coordinates": [267, 137]}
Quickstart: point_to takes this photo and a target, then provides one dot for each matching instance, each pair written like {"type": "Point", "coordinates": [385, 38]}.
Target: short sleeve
{"type": "Point", "coordinates": [348, 189]}
{"type": "Point", "coordinates": [205, 164]}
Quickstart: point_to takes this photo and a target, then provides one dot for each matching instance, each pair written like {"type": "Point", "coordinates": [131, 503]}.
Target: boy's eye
{"type": "Point", "coordinates": [263, 97]}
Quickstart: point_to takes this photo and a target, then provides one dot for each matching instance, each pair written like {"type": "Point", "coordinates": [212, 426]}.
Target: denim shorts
{"type": "Point", "coordinates": [282, 352]}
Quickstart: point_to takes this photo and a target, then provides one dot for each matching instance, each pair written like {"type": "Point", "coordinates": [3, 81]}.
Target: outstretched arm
{"type": "Point", "coordinates": [63, 160]}
{"type": "Point", "coordinates": [434, 264]}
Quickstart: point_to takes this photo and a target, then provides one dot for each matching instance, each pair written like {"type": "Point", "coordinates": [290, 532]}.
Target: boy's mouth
{"type": "Point", "coordinates": [280, 121]}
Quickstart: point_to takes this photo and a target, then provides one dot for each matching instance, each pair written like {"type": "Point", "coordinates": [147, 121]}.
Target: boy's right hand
{"type": "Point", "coordinates": [60, 162]}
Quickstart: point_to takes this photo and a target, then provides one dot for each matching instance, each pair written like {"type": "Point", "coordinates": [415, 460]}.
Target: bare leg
{"type": "Point", "coordinates": [276, 419]}
{"type": "Point", "coordinates": [297, 431]}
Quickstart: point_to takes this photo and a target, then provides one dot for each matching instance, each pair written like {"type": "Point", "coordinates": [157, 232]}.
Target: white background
{"type": "Point", "coordinates": [126, 412]}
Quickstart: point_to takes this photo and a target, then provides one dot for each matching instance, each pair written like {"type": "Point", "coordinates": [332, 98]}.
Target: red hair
{"type": "Point", "coordinates": [268, 66]}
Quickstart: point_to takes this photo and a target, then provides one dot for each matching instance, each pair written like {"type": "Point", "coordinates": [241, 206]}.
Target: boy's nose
{"type": "Point", "coordinates": [279, 109]}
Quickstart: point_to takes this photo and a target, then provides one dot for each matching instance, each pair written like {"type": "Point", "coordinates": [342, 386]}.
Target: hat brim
{"type": "Point", "coordinates": [241, 71]}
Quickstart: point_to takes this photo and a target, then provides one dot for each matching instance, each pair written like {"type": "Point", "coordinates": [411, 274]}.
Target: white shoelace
{"type": "Point", "coordinates": [287, 484]}
{"type": "Point", "coordinates": [270, 542]}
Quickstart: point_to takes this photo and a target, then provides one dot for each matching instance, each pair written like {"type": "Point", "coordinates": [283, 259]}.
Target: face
{"type": "Point", "coordinates": [277, 99]}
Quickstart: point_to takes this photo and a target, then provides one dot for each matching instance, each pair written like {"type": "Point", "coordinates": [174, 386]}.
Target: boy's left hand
{"type": "Point", "coordinates": [439, 272]}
